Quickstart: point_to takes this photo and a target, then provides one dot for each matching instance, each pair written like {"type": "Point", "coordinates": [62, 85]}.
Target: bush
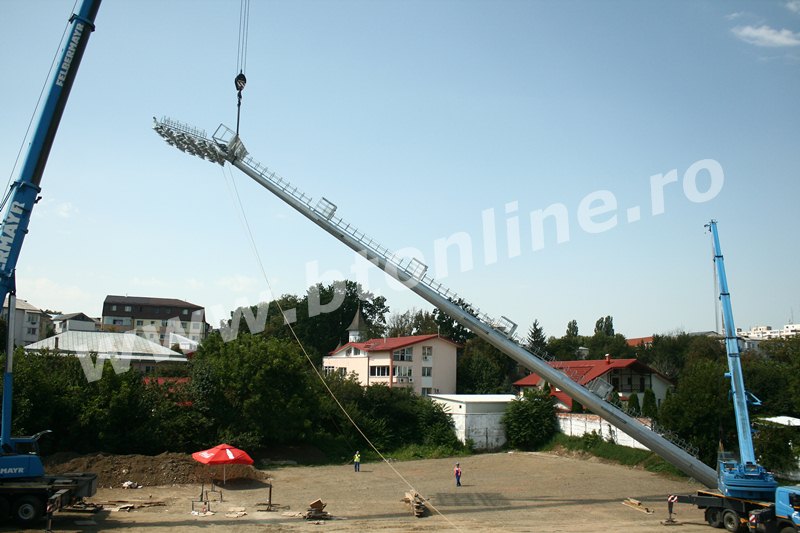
{"type": "Point", "coordinates": [530, 422]}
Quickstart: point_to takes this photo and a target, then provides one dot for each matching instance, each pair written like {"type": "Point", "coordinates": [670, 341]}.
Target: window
{"type": "Point", "coordinates": [427, 371]}
{"type": "Point", "coordinates": [128, 308]}
{"type": "Point", "coordinates": [403, 371]}
{"type": "Point", "coordinates": [33, 319]}
{"type": "Point", "coordinates": [427, 351]}
{"type": "Point", "coordinates": [31, 331]}
{"type": "Point", "coordinates": [117, 322]}
{"type": "Point", "coordinates": [426, 391]}
{"type": "Point", "coordinates": [195, 325]}
{"type": "Point", "coordinates": [379, 371]}
{"type": "Point", "coordinates": [185, 312]}
{"type": "Point", "coordinates": [328, 370]}
{"type": "Point", "coordinates": [113, 307]}
{"type": "Point", "coordinates": [140, 322]}
{"type": "Point", "coordinates": [403, 354]}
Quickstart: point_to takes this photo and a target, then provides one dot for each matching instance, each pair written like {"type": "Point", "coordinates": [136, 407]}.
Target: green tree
{"type": "Point", "coordinates": [536, 341]}
{"type": "Point", "coordinates": [649, 405]}
{"type": "Point", "coordinates": [451, 329]}
{"type": "Point", "coordinates": [604, 326]}
{"type": "Point", "coordinates": [572, 329]}
{"type": "Point", "coordinates": [563, 349]}
{"type": "Point", "coordinates": [255, 390]}
{"type": "Point", "coordinates": [705, 348]}
{"type": "Point", "coordinates": [483, 369]}
{"type": "Point", "coordinates": [424, 323]}
{"type": "Point", "coordinates": [773, 444]}
{"type": "Point", "coordinates": [530, 422]}
{"type": "Point", "coordinates": [699, 410]}
{"type": "Point", "coordinates": [601, 344]}
{"type": "Point", "coordinates": [666, 354]}
{"type": "Point", "coordinates": [633, 406]}
{"type": "Point", "coordinates": [400, 324]}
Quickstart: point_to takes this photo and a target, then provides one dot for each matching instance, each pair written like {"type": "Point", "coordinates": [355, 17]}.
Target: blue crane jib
{"type": "Point", "coordinates": [22, 197]}
{"type": "Point", "coordinates": [743, 478]}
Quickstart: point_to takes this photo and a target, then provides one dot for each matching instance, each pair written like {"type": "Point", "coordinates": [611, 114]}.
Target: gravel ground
{"type": "Point", "coordinates": [503, 492]}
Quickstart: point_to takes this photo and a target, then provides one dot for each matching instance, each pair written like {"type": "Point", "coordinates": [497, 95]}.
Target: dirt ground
{"type": "Point", "coordinates": [502, 492]}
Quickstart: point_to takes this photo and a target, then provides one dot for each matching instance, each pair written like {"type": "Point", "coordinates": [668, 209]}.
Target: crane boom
{"type": "Point", "coordinates": [25, 191]}
{"type": "Point", "coordinates": [745, 479]}
{"type": "Point", "coordinates": [226, 145]}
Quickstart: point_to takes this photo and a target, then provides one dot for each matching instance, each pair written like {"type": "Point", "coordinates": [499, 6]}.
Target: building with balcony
{"type": "Point", "coordinates": [624, 377]}
{"type": "Point", "coordinates": [424, 363]}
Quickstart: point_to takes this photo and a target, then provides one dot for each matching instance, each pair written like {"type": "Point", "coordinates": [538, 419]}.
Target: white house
{"type": "Point", "coordinates": [424, 363]}
{"type": "Point", "coordinates": [30, 323]}
{"type": "Point", "coordinates": [74, 322]}
{"type": "Point", "coordinates": [477, 417]}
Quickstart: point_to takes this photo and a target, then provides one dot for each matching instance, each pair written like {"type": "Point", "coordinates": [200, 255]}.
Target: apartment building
{"type": "Point", "coordinates": [424, 363]}
{"type": "Point", "coordinates": [154, 318]}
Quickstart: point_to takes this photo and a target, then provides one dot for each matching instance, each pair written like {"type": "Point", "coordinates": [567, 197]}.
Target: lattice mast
{"type": "Point", "coordinates": [225, 145]}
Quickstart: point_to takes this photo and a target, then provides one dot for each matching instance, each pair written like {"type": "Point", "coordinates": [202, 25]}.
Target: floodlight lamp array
{"type": "Point", "coordinates": [189, 139]}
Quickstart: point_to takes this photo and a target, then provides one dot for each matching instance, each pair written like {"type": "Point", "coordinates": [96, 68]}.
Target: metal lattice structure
{"type": "Point", "coordinates": [225, 145]}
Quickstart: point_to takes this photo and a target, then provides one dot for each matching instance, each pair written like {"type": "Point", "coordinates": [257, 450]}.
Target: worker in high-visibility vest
{"type": "Point", "coordinates": [357, 461]}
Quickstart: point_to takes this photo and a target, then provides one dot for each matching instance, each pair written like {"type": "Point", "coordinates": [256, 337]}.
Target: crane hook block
{"type": "Point", "coordinates": [240, 81]}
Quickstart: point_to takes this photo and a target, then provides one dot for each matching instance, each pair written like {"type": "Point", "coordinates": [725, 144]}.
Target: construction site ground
{"type": "Point", "coordinates": [510, 492]}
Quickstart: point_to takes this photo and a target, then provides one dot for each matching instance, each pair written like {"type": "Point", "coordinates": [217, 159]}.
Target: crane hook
{"type": "Point", "coordinates": [240, 81]}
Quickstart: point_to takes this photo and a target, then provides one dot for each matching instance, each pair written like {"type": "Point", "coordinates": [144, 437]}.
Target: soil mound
{"type": "Point", "coordinates": [163, 469]}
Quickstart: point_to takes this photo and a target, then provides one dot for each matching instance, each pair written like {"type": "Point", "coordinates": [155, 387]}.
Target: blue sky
{"type": "Point", "coordinates": [423, 122]}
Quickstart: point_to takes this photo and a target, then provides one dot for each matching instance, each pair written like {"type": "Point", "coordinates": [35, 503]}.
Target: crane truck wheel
{"type": "Point", "coordinates": [789, 529]}
{"type": "Point", "coordinates": [27, 510]}
{"type": "Point", "coordinates": [730, 519]}
{"type": "Point", "coordinates": [714, 517]}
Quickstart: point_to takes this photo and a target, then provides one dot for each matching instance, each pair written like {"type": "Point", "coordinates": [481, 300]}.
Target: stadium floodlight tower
{"type": "Point", "coordinates": [225, 145]}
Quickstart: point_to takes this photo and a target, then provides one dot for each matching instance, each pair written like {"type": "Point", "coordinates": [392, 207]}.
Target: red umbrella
{"type": "Point", "coordinates": [223, 454]}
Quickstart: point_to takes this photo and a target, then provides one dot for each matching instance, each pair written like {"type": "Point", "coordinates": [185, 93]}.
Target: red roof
{"type": "Point", "coordinates": [387, 344]}
{"type": "Point", "coordinates": [583, 372]}
{"type": "Point", "coordinates": [639, 341]}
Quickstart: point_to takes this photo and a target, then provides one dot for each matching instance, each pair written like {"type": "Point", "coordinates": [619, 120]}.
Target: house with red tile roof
{"type": "Point", "coordinates": [640, 341]}
{"type": "Point", "coordinates": [625, 376]}
{"type": "Point", "coordinates": [424, 363]}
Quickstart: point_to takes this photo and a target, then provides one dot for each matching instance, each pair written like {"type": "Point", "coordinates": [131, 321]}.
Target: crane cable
{"type": "Point", "coordinates": [234, 192]}
{"type": "Point", "coordinates": [241, 56]}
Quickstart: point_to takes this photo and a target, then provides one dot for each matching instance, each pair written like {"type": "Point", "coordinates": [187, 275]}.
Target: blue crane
{"type": "Point", "coordinates": [22, 196]}
{"type": "Point", "coordinates": [744, 478]}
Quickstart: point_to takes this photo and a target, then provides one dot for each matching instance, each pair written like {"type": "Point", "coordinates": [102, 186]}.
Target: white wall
{"type": "Point", "coordinates": [578, 424]}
